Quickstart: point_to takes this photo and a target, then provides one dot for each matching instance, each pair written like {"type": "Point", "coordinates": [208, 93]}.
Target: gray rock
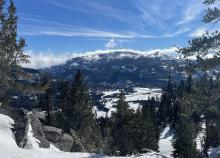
{"type": "Point", "coordinates": [38, 130]}
{"type": "Point", "coordinates": [21, 123]}
{"type": "Point", "coordinates": [52, 134]}
{"type": "Point", "coordinates": [65, 143]}
{"type": "Point", "coordinates": [58, 138]}
{"type": "Point", "coordinates": [45, 134]}
{"type": "Point", "coordinates": [41, 115]}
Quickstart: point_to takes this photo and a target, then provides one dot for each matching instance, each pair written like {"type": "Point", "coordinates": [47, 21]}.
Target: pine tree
{"type": "Point", "coordinates": [185, 132]}
{"type": "Point", "coordinates": [78, 114]}
{"type": "Point", "coordinates": [208, 43]}
{"type": "Point", "coordinates": [168, 98]}
{"type": "Point", "coordinates": [150, 129]}
{"type": "Point", "coordinates": [11, 53]}
{"type": "Point", "coordinates": [121, 130]}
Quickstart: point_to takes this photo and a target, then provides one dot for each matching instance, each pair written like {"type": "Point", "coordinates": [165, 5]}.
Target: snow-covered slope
{"type": "Point", "coordinates": [9, 149]}
{"type": "Point", "coordinates": [120, 68]}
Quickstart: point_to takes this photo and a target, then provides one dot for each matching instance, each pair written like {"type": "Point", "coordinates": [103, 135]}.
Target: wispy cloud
{"type": "Point", "coordinates": [50, 28]}
{"type": "Point", "coordinates": [193, 9]}
{"type": "Point", "coordinates": [158, 13]}
{"type": "Point", "coordinates": [98, 9]}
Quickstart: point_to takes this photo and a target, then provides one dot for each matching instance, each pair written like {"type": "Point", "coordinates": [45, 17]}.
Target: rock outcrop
{"type": "Point", "coordinates": [52, 134]}
{"type": "Point", "coordinates": [45, 134]}
{"type": "Point", "coordinates": [21, 123]}
{"type": "Point", "coordinates": [58, 138]}
{"type": "Point", "coordinates": [38, 130]}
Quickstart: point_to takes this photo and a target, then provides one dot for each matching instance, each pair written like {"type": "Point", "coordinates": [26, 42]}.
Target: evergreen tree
{"type": "Point", "coordinates": [185, 132]}
{"type": "Point", "coordinates": [78, 114]}
{"type": "Point", "coordinates": [121, 130]}
{"type": "Point", "coordinates": [168, 98]}
{"type": "Point", "coordinates": [207, 44]}
{"type": "Point", "coordinates": [149, 128]}
{"type": "Point", "coordinates": [11, 53]}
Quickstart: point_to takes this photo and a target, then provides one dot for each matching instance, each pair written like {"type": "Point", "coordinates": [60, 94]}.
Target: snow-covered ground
{"type": "Point", "coordinates": [139, 94]}
{"type": "Point", "coordinates": [165, 142]}
{"type": "Point", "coordinates": [200, 137]}
{"type": "Point", "coordinates": [9, 149]}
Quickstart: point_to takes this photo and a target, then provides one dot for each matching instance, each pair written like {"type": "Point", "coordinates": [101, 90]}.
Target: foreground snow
{"type": "Point", "coordinates": [9, 149]}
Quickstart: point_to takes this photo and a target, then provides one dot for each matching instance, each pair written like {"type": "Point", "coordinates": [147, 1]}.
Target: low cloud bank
{"type": "Point", "coordinates": [47, 59]}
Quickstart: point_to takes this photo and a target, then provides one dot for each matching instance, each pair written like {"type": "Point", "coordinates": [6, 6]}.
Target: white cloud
{"type": "Point", "coordinates": [47, 59]}
{"type": "Point", "coordinates": [193, 10]}
{"type": "Point", "coordinates": [199, 32]}
{"type": "Point", "coordinates": [64, 31]}
{"type": "Point", "coordinates": [111, 44]}
{"type": "Point", "coordinates": [98, 9]}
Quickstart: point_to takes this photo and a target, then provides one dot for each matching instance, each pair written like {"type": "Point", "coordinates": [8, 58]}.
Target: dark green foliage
{"type": "Point", "coordinates": [185, 129]}
{"type": "Point", "coordinates": [212, 14]}
{"type": "Point", "coordinates": [149, 126]}
{"type": "Point", "coordinates": [11, 53]}
{"type": "Point", "coordinates": [166, 107]}
{"type": "Point", "coordinates": [77, 113]}
{"type": "Point", "coordinates": [133, 132]}
{"type": "Point", "coordinates": [121, 131]}
{"type": "Point", "coordinates": [207, 44]}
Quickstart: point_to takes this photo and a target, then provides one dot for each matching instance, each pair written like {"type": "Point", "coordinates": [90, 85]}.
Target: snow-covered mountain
{"type": "Point", "coordinates": [120, 68]}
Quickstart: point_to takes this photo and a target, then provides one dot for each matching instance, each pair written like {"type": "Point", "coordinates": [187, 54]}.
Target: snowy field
{"type": "Point", "coordinates": [138, 94]}
{"type": "Point", "coordinates": [9, 149]}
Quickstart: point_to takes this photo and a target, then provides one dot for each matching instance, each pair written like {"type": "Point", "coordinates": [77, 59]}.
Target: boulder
{"type": "Point", "coordinates": [65, 143]}
{"type": "Point", "coordinates": [52, 134]}
{"type": "Point", "coordinates": [58, 138]}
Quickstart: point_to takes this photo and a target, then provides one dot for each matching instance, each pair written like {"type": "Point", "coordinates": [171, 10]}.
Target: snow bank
{"type": "Point", "coordinates": [165, 143]}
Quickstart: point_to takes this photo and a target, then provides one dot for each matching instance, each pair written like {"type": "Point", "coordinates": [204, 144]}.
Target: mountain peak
{"type": "Point", "coordinates": [126, 53]}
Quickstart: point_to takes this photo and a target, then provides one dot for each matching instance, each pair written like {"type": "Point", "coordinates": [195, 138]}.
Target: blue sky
{"type": "Point", "coordinates": [60, 26]}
